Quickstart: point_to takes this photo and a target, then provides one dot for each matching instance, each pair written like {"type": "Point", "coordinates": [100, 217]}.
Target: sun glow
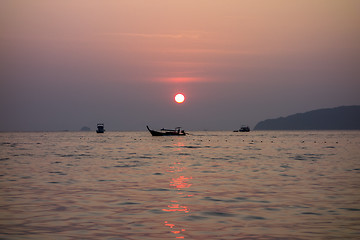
{"type": "Point", "coordinates": [179, 98]}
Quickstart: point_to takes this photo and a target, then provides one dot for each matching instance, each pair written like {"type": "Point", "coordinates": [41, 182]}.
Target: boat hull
{"type": "Point", "coordinates": [243, 128]}
{"type": "Point", "coordinates": [100, 128]}
{"type": "Point", "coordinates": [166, 133]}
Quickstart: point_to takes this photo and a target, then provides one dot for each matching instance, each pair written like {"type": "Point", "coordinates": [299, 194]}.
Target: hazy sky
{"type": "Point", "coordinates": [65, 64]}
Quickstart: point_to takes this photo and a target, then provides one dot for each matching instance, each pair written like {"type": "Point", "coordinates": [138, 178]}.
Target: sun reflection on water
{"type": "Point", "coordinates": [179, 183]}
{"type": "Point", "coordinates": [175, 207]}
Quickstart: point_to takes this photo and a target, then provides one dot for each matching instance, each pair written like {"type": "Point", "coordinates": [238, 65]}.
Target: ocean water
{"type": "Point", "coordinates": [208, 185]}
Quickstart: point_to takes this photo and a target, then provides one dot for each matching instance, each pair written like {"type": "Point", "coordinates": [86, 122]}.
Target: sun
{"type": "Point", "coordinates": [179, 98]}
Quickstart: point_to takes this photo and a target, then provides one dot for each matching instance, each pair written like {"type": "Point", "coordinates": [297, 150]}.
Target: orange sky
{"type": "Point", "coordinates": [234, 42]}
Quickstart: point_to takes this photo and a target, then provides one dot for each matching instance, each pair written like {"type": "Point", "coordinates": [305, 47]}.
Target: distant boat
{"type": "Point", "coordinates": [167, 132]}
{"type": "Point", "coordinates": [100, 128]}
{"type": "Point", "coordinates": [243, 128]}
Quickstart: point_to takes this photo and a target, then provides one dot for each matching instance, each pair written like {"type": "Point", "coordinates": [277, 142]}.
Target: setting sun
{"type": "Point", "coordinates": [179, 98]}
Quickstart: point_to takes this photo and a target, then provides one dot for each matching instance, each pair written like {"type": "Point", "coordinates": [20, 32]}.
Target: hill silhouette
{"type": "Point", "coordinates": [339, 118]}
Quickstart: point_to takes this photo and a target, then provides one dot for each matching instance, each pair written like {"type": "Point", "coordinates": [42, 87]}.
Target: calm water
{"type": "Point", "coordinates": [209, 185]}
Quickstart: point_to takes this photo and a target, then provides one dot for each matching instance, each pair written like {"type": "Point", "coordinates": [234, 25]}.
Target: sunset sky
{"type": "Point", "coordinates": [73, 63]}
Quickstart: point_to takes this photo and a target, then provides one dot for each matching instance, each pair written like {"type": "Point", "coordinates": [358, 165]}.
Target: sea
{"type": "Point", "coordinates": [206, 185]}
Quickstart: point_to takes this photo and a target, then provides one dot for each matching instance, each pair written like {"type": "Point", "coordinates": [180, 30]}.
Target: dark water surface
{"type": "Point", "coordinates": [208, 185]}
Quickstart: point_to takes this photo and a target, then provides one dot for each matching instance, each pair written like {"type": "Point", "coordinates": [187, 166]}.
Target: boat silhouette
{"type": "Point", "coordinates": [243, 128]}
{"type": "Point", "coordinates": [100, 128]}
{"type": "Point", "coordinates": [167, 132]}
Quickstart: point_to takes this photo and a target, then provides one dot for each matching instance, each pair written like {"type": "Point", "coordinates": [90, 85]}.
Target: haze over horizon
{"type": "Point", "coordinates": [69, 64]}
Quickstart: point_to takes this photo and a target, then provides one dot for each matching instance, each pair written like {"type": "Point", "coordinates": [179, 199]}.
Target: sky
{"type": "Point", "coordinates": [73, 63]}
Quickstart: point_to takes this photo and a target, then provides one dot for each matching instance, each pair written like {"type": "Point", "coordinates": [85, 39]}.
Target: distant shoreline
{"type": "Point", "coordinates": [229, 131]}
{"type": "Point", "coordinates": [339, 118]}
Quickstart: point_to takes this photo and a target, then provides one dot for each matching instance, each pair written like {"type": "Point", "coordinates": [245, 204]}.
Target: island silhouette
{"type": "Point", "coordinates": [339, 118]}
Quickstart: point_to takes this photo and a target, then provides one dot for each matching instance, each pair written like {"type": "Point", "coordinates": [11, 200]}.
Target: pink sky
{"type": "Point", "coordinates": [67, 64]}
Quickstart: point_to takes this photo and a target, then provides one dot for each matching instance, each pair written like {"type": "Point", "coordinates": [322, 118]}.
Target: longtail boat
{"type": "Point", "coordinates": [167, 132]}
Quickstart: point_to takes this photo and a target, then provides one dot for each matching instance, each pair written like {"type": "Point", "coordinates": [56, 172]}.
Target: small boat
{"type": "Point", "coordinates": [167, 132]}
{"type": "Point", "coordinates": [243, 128]}
{"type": "Point", "coordinates": [100, 128]}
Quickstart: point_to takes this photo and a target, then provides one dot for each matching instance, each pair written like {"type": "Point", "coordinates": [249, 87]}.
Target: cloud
{"type": "Point", "coordinates": [215, 51]}
{"type": "Point", "coordinates": [156, 35]}
{"type": "Point", "coordinates": [181, 79]}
